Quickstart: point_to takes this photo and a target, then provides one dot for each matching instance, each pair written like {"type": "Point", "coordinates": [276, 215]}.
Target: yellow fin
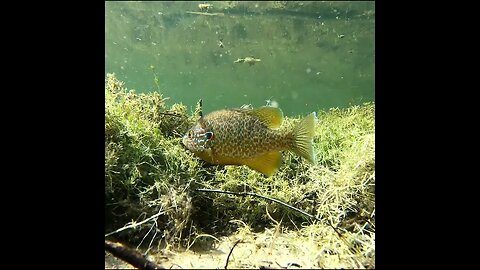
{"type": "Point", "coordinates": [303, 134]}
{"type": "Point", "coordinates": [272, 117]}
{"type": "Point", "coordinates": [266, 164]}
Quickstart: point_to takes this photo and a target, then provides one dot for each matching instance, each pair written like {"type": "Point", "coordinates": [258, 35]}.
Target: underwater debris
{"type": "Point", "coordinates": [206, 13]}
{"type": "Point", "coordinates": [220, 43]}
{"type": "Point", "coordinates": [249, 60]}
{"type": "Point", "coordinates": [204, 6]}
{"type": "Point", "coordinates": [129, 255]}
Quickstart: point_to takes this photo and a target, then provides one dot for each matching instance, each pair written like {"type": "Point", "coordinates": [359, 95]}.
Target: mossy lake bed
{"type": "Point", "coordinates": [153, 203]}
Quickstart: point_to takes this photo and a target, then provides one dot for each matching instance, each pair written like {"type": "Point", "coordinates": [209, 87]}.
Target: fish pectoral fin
{"type": "Point", "coordinates": [266, 164]}
{"type": "Point", "coordinates": [206, 155]}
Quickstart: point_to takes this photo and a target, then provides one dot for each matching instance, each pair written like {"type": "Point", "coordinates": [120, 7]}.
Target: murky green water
{"type": "Point", "coordinates": [314, 55]}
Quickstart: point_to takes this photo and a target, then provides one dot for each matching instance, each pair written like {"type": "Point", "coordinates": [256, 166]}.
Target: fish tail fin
{"type": "Point", "coordinates": [303, 138]}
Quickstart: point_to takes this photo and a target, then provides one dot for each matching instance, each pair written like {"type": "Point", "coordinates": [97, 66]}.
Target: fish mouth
{"type": "Point", "coordinates": [184, 140]}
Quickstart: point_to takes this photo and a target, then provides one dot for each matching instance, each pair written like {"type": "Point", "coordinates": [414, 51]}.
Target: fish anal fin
{"type": "Point", "coordinates": [266, 164]}
{"type": "Point", "coordinates": [272, 117]}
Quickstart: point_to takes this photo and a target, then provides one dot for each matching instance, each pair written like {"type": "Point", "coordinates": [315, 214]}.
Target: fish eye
{"type": "Point", "coordinates": [209, 135]}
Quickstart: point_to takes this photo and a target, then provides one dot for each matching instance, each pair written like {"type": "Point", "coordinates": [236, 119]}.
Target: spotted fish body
{"type": "Point", "coordinates": [249, 137]}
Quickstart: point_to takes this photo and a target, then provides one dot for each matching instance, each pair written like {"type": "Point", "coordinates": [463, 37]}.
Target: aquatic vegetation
{"type": "Point", "coordinates": [145, 163]}
{"type": "Point", "coordinates": [151, 180]}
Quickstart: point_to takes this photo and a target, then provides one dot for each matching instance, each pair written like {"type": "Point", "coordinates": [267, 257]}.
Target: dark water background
{"type": "Point", "coordinates": [314, 55]}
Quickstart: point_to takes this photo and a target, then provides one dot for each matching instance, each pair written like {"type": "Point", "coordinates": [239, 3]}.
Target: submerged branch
{"type": "Point", "coordinates": [231, 250]}
{"type": "Point", "coordinates": [134, 224]}
{"type": "Point", "coordinates": [270, 199]}
{"type": "Point", "coordinates": [260, 196]}
{"type": "Point", "coordinates": [129, 255]}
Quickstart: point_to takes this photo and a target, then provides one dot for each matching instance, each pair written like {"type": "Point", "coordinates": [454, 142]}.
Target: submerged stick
{"type": "Point", "coordinates": [231, 250]}
{"type": "Point", "coordinates": [129, 255]}
{"type": "Point", "coordinates": [135, 224]}
{"type": "Point", "coordinates": [260, 196]}
{"type": "Point", "coordinates": [270, 199]}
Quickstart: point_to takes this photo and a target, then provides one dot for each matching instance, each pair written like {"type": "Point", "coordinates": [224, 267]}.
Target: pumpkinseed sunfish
{"type": "Point", "coordinates": [248, 137]}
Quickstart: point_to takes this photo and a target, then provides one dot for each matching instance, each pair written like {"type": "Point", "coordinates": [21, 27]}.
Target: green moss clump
{"type": "Point", "coordinates": [145, 164]}
{"type": "Point", "coordinates": [150, 176]}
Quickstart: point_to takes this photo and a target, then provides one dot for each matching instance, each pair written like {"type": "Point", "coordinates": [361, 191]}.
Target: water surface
{"type": "Point", "coordinates": [314, 55]}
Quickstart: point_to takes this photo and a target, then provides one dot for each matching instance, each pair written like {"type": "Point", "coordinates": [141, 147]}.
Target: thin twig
{"type": "Point", "coordinates": [288, 265]}
{"type": "Point", "coordinates": [134, 224]}
{"type": "Point", "coordinates": [277, 229]}
{"type": "Point", "coordinates": [231, 250]}
{"type": "Point", "coordinates": [260, 196]}
{"type": "Point", "coordinates": [143, 239]}
{"type": "Point", "coordinates": [270, 199]}
{"type": "Point", "coordinates": [201, 235]}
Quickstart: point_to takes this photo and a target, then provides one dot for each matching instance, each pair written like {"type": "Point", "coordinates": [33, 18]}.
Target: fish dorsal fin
{"type": "Point", "coordinates": [266, 164]}
{"type": "Point", "coordinates": [272, 117]}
